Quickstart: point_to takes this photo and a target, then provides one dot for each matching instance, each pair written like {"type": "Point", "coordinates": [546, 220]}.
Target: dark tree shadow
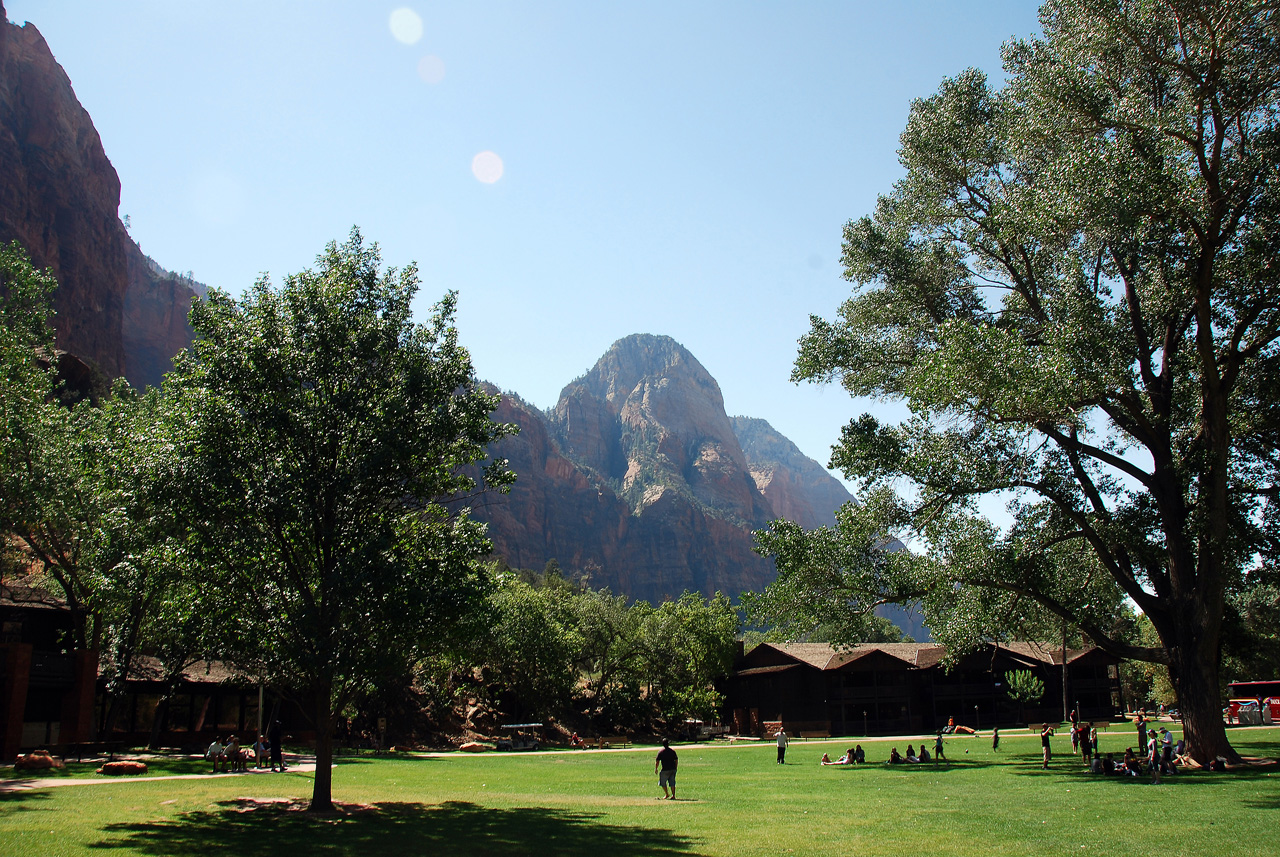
{"type": "Point", "coordinates": [249, 829]}
{"type": "Point", "coordinates": [22, 799]}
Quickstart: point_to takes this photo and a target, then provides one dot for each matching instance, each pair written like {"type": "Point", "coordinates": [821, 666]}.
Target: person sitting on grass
{"type": "Point", "coordinates": [924, 753]}
{"type": "Point", "coordinates": [1128, 763]}
{"type": "Point", "coordinates": [858, 755]}
{"type": "Point", "coordinates": [911, 754]}
{"type": "Point", "coordinates": [895, 758]}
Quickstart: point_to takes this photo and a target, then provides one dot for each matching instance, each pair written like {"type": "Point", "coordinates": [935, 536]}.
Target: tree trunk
{"type": "Point", "coordinates": [322, 792]}
{"type": "Point", "coordinates": [1194, 673]}
{"type": "Point", "coordinates": [160, 720]}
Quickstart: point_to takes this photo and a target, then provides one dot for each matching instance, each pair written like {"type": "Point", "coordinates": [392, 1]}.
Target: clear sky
{"type": "Point", "coordinates": [674, 168]}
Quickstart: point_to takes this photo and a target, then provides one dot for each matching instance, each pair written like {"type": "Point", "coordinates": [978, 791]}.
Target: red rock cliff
{"type": "Point", "coordinates": [59, 197]}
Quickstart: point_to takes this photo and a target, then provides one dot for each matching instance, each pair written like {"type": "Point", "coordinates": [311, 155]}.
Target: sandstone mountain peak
{"type": "Point", "coordinates": [638, 478]}
{"type": "Point", "coordinates": [650, 419]}
{"type": "Point", "coordinates": [638, 356]}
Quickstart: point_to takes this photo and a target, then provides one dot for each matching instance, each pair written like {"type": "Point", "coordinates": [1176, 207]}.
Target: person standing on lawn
{"type": "Point", "coordinates": [1086, 744]}
{"type": "Point", "coordinates": [782, 746]}
{"type": "Point", "coordinates": [668, 760]}
{"type": "Point", "coordinates": [1166, 751]}
{"type": "Point", "coordinates": [938, 752]}
{"type": "Point", "coordinates": [1142, 734]}
{"type": "Point", "coordinates": [1153, 757]}
{"type": "Point", "coordinates": [275, 735]}
{"type": "Point", "coordinates": [1046, 732]}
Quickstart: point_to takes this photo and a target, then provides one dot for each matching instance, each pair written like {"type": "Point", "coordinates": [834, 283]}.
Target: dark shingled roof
{"type": "Point", "coordinates": [826, 656]}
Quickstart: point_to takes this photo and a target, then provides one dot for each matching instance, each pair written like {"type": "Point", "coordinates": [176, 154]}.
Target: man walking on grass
{"type": "Point", "coordinates": [668, 760]}
{"type": "Point", "coordinates": [782, 746]}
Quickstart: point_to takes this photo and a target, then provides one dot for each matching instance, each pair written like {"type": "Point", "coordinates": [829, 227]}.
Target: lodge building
{"type": "Point", "coordinates": [897, 688]}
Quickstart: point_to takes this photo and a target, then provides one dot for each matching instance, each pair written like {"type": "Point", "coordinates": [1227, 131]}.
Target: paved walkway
{"type": "Point", "coordinates": [307, 764]}
{"type": "Point", "coordinates": [304, 766]}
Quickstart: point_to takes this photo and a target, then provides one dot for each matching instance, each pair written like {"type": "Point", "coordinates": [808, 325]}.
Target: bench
{"type": "Point", "coordinates": [80, 749]}
{"type": "Point", "coordinates": [604, 742]}
{"type": "Point", "coordinates": [820, 733]}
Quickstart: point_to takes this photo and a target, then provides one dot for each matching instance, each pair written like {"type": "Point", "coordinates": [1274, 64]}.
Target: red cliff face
{"type": "Point", "coordinates": [154, 327]}
{"type": "Point", "coordinates": [60, 199]}
{"type": "Point", "coordinates": [798, 488]}
{"type": "Point", "coordinates": [638, 478]}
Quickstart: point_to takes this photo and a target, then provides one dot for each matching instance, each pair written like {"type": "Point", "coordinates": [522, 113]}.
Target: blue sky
{"type": "Point", "coordinates": [669, 168]}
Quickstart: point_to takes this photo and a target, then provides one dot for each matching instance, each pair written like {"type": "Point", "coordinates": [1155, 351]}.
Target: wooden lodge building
{"type": "Point", "coordinates": [903, 688]}
{"type": "Point", "coordinates": [52, 695]}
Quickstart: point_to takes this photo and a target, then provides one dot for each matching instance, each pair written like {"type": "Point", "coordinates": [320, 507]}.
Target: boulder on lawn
{"type": "Point", "coordinates": [37, 760]}
{"type": "Point", "coordinates": [474, 747]}
{"type": "Point", "coordinates": [116, 769]}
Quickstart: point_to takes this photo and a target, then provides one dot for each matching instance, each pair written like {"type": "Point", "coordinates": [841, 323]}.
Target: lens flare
{"type": "Point", "coordinates": [431, 69]}
{"type": "Point", "coordinates": [487, 167]}
{"type": "Point", "coordinates": [406, 25]}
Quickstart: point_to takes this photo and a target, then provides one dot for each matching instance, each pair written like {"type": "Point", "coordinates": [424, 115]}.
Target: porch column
{"type": "Point", "coordinates": [77, 702]}
{"type": "Point", "coordinates": [17, 675]}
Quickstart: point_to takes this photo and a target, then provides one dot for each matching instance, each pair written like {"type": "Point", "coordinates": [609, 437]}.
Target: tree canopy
{"type": "Point", "coordinates": [321, 445]}
{"type": "Point", "coordinates": [1074, 289]}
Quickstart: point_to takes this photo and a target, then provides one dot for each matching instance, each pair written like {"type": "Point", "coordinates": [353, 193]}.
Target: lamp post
{"type": "Point", "coordinates": [864, 724]}
{"type": "Point", "coordinates": [977, 724]}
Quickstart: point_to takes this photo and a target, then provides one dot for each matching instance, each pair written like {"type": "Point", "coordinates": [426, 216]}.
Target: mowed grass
{"type": "Point", "coordinates": [732, 801]}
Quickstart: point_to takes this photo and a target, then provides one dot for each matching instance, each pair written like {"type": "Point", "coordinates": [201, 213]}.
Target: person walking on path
{"type": "Point", "coordinates": [782, 746]}
{"type": "Point", "coordinates": [1046, 732]}
{"type": "Point", "coordinates": [667, 760]}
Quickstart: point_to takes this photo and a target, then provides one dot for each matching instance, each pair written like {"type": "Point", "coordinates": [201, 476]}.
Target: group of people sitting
{"type": "Point", "coordinates": [854, 756]}
{"type": "Point", "coordinates": [232, 757]}
{"type": "Point", "coordinates": [1161, 758]}
{"type": "Point", "coordinates": [895, 758]}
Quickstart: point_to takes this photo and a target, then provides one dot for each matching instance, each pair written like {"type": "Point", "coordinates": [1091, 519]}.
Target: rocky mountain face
{"type": "Point", "coordinates": [636, 477]}
{"type": "Point", "coordinates": [797, 487]}
{"type": "Point", "coordinates": [154, 327]}
{"type": "Point", "coordinates": [60, 199]}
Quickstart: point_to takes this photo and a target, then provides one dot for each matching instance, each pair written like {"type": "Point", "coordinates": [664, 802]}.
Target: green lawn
{"type": "Point", "coordinates": [732, 801]}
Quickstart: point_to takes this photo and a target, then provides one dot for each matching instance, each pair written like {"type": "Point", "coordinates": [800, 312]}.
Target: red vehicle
{"type": "Point", "coordinates": [1255, 695]}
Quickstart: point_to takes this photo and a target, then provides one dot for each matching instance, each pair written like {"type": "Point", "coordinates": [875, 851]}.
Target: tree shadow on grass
{"type": "Point", "coordinates": [248, 829]}
{"type": "Point", "coordinates": [12, 800]}
{"type": "Point", "coordinates": [1185, 778]}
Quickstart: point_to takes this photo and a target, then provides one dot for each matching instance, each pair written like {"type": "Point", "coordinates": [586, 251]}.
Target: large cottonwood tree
{"type": "Point", "coordinates": [321, 446]}
{"type": "Point", "coordinates": [1075, 289]}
